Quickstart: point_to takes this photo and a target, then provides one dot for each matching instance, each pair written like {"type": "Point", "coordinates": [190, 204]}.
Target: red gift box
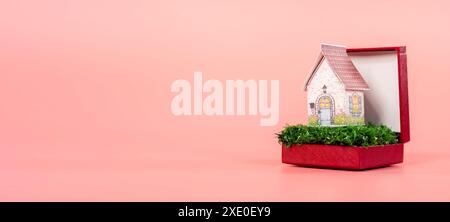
{"type": "Point", "coordinates": [379, 66]}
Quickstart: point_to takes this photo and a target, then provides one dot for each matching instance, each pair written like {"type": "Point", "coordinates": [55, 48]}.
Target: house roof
{"type": "Point", "coordinates": [342, 66]}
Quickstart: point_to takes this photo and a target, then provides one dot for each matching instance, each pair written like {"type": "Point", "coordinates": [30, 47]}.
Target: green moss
{"type": "Point", "coordinates": [354, 135]}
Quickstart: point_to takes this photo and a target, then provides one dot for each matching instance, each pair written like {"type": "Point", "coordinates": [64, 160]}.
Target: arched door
{"type": "Point", "coordinates": [325, 110]}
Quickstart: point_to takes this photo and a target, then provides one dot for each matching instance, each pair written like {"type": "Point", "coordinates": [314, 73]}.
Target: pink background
{"type": "Point", "coordinates": [85, 99]}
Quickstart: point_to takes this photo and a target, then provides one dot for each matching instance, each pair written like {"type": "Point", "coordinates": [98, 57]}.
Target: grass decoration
{"type": "Point", "coordinates": [352, 135]}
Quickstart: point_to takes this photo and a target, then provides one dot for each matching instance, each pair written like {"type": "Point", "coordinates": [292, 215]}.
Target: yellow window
{"type": "Point", "coordinates": [325, 102]}
{"type": "Point", "coordinates": [355, 105]}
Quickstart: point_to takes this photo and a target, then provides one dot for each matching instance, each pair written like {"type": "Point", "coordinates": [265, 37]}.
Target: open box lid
{"type": "Point", "coordinates": [385, 71]}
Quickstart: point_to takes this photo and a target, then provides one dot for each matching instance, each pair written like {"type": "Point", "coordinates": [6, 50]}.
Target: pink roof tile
{"type": "Point", "coordinates": [342, 66]}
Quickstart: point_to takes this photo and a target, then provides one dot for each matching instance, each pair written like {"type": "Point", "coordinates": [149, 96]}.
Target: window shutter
{"type": "Point", "coordinates": [350, 104]}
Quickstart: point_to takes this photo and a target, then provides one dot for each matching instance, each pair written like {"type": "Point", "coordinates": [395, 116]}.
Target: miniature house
{"type": "Point", "coordinates": [386, 103]}
{"type": "Point", "coordinates": [335, 89]}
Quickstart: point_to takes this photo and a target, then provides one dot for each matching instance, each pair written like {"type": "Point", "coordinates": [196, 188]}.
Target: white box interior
{"type": "Point", "coordinates": [380, 70]}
